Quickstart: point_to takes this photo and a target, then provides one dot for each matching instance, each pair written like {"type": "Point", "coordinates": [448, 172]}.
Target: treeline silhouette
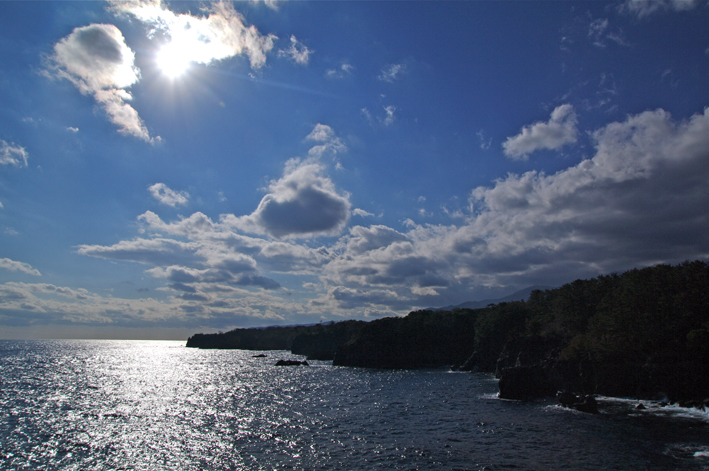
{"type": "Point", "coordinates": [317, 342]}
{"type": "Point", "coordinates": [630, 334]}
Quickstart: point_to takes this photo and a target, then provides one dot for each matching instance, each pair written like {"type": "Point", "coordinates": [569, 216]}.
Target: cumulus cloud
{"type": "Point", "coordinates": [165, 195]}
{"type": "Point", "coordinates": [98, 62]}
{"type": "Point", "coordinates": [12, 265]}
{"type": "Point", "coordinates": [303, 203]}
{"type": "Point", "coordinates": [12, 154]}
{"type": "Point", "coordinates": [391, 72]}
{"type": "Point", "coordinates": [297, 52]}
{"type": "Point", "coordinates": [638, 201]}
{"type": "Point", "coordinates": [643, 8]}
{"type": "Point", "coordinates": [220, 34]}
{"type": "Point", "coordinates": [554, 134]}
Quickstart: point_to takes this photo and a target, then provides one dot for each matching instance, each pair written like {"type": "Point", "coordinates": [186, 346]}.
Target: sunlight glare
{"type": "Point", "coordinates": [172, 61]}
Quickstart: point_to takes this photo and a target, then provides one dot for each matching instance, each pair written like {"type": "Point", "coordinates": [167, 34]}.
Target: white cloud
{"type": "Point", "coordinates": [272, 4]}
{"type": "Point", "coordinates": [391, 72]}
{"type": "Point", "coordinates": [557, 132]}
{"type": "Point", "coordinates": [485, 142]}
{"type": "Point", "coordinates": [233, 270]}
{"type": "Point", "coordinates": [344, 70]}
{"type": "Point", "coordinates": [220, 34]}
{"type": "Point", "coordinates": [165, 195]}
{"type": "Point", "coordinates": [297, 52]}
{"type": "Point", "coordinates": [303, 203]}
{"type": "Point", "coordinates": [329, 143]}
{"type": "Point", "coordinates": [12, 265]}
{"type": "Point", "coordinates": [12, 154]}
{"type": "Point", "coordinates": [643, 8]}
{"type": "Point", "coordinates": [596, 31]}
{"type": "Point", "coordinates": [98, 62]}
{"type": "Point", "coordinates": [156, 251]}
{"type": "Point", "coordinates": [361, 213]}
{"type": "Point", "coordinates": [72, 129]}
{"type": "Point", "coordinates": [389, 115]}
{"type": "Point", "coordinates": [639, 201]}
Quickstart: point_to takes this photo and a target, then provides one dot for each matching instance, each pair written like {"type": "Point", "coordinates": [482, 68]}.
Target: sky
{"type": "Point", "coordinates": [174, 168]}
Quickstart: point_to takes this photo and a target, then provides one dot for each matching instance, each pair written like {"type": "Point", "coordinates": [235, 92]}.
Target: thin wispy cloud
{"type": "Point", "coordinates": [343, 71]}
{"type": "Point", "coordinates": [361, 213]}
{"type": "Point", "coordinates": [12, 154]}
{"type": "Point", "coordinates": [485, 142]}
{"type": "Point", "coordinates": [327, 142]}
{"type": "Point", "coordinates": [389, 117]}
{"type": "Point", "coordinates": [272, 4]}
{"type": "Point", "coordinates": [297, 53]}
{"type": "Point", "coordinates": [644, 8]}
{"type": "Point", "coordinates": [392, 72]}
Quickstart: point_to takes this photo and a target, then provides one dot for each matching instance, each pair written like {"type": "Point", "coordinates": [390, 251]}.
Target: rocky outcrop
{"type": "Point", "coordinates": [291, 363]}
{"type": "Point", "coordinates": [321, 341]}
{"type": "Point", "coordinates": [524, 382]}
{"type": "Point", "coordinates": [583, 404]}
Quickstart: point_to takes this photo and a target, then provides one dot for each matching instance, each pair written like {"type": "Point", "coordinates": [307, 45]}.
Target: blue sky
{"type": "Point", "coordinates": [172, 168]}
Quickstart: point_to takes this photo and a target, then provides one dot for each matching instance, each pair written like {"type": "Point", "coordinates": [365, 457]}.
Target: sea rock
{"type": "Point", "coordinates": [589, 405]}
{"type": "Point", "coordinates": [291, 363]}
{"type": "Point", "coordinates": [524, 382]}
{"type": "Point", "coordinates": [566, 398]}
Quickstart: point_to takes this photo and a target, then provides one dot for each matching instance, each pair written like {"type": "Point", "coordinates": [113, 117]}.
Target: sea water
{"type": "Point", "coordinates": [138, 405]}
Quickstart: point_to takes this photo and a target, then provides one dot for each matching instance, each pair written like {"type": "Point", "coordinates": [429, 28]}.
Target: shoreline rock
{"type": "Point", "coordinates": [291, 363]}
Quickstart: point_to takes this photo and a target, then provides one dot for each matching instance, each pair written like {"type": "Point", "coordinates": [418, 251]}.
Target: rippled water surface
{"type": "Point", "coordinates": [133, 405]}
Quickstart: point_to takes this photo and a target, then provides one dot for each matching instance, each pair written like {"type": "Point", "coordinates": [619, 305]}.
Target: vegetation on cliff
{"type": "Point", "coordinates": [630, 334]}
{"type": "Point", "coordinates": [317, 342]}
{"type": "Point", "coordinates": [423, 338]}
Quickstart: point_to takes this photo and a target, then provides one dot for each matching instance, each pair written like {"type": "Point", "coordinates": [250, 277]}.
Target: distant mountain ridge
{"type": "Point", "coordinates": [521, 295]}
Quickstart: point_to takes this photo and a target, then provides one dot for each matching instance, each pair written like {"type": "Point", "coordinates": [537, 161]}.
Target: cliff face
{"type": "Point", "coordinates": [269, 338]}
{"type": "Point", "coordinates": [635, 334]}
{"type": "Point", "coordinates": [321, 342]}
{"type": "Point", "coordinates": [421, 339]}
{"type": "Point", "coordinates": [317, 342]}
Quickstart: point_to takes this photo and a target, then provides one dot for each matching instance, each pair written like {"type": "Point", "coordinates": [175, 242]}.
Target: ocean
{"type": "Point", "coordinates": [156, 405]}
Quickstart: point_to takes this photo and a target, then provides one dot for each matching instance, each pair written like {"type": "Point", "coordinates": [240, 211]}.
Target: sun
{"type": "Point", "coordinates": [172, 61]}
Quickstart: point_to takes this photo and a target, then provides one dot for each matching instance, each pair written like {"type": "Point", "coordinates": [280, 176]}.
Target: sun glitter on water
{"type": "Point", "coordinates": [172, 61]}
